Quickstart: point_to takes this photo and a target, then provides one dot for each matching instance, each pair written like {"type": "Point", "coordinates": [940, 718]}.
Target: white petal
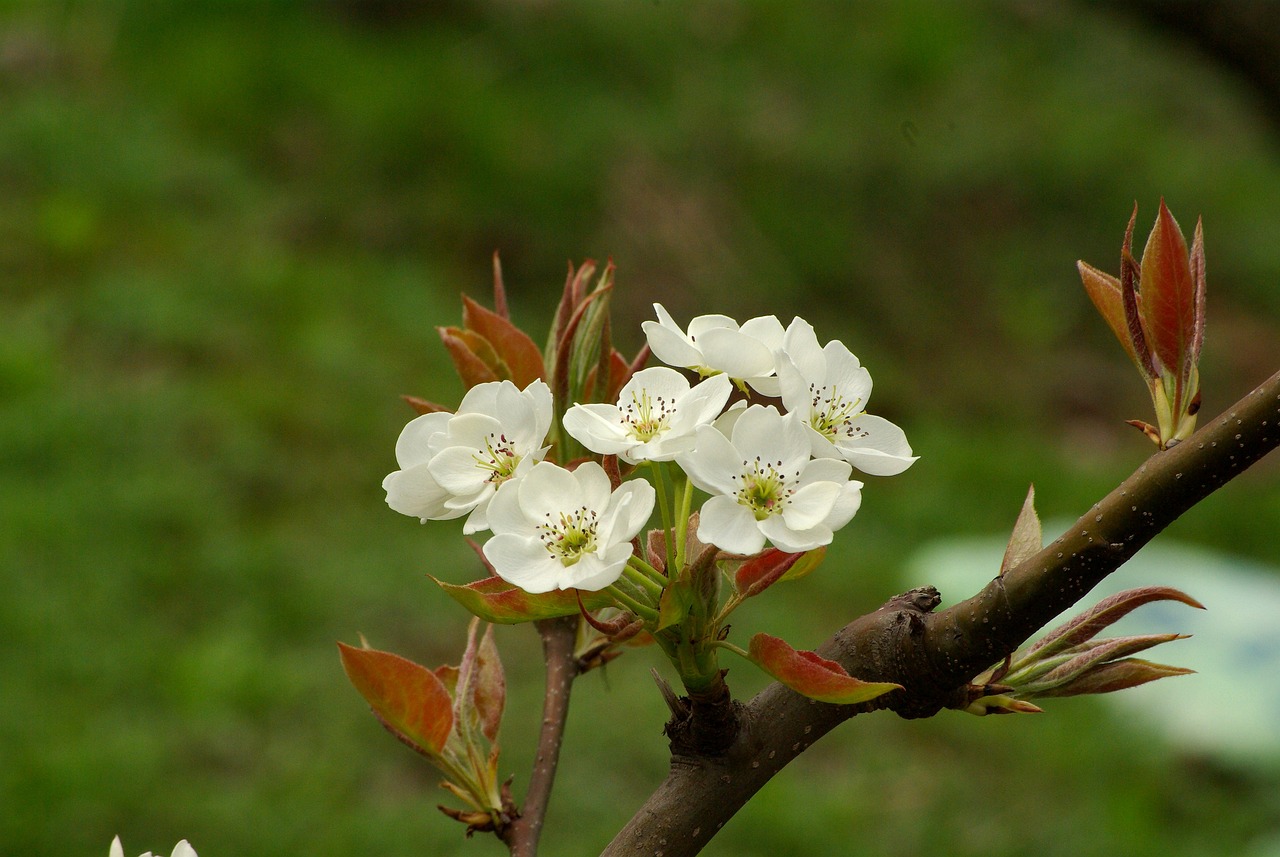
{"type": "Point", "coordinates": [593, 486]}
{"type": "Point", "coordinates": [483, 398]}
{"type": "Point", "coordinates": [547, 490]}
{"type": "Point", "coordinates": [766, 386]}
{"type": "Point", "coordinates": [801, 346]}
{"type": "Point", "coordinates": [459, 471]}
{"type": "Point", "coordinates": [414, 444]}
{"type": "Point", "coordinates": [629, 510]}
{"type": "Point", "coordinates": [810, 505]}
{"type": "Point", "coordinates": [539, 395]}
{"type": "Point", "coordinates": [846, 375]}
{"type": "Point", "coordinates": [846, 506]}
{"type": "Point", "coordinates": [598, 427]}
{"type": "Point", "coordinates": [730, 526]}
{"type": "Point", "coordinates": [656, 381]}
{"type": "Point", "coordinates": [735, 354]}
{"type": "Point", "coordinates": [523, 561]}
{"type": "Point", "coordinates": [415, 492]}
{"type": "Point", "coordinates": [825, 470]}
{"type": "Point", "coordinates": [503, 512]}
{"type": "Point", "coordinates": [117, 850]}
{"type": "Point", "coordinates": [183, 849]}
{"type": "Point", "coordinates": [878, 447]}
{"type": "Point", "coordinates": [668, 342]}
{"type": "Point", "coordinates": [714, 462]}
{"type": "Point", "coordinates": [766, 330]}
{"type": "Point", "coordinates": [795, 541]}
{"type": "Point", "coordinates": [473, 430]}
{"type": "Point", "coordinates": [701, 404]}
{"type": "Point", "coordinates": [793, 387]}
{"type": "Point", "coordinates": [596, 571]}
{"type": "Point", "coordinates": [700, 324]}
{"type": "Point", "coordinates": [765, 434]}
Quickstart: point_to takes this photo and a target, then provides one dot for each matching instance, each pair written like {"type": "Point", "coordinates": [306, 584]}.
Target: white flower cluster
{"type": "Point", "coordinates": [781, 477]}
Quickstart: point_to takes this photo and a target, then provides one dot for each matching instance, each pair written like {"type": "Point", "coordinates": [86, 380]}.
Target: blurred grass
{"type": "Point", "coordinates": [227, 232]}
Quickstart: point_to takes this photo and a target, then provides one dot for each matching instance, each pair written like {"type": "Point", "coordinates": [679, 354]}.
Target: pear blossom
{"type": "Point", "coordinates": [764, 485]}
{"type": "Point", "coordinates": [828, 388]}
{"type": "Point", "coordinates": [716, 343]}
{"type": "Point", "coordinates": [655, 418]}
{"type": "Point", "coordinates": [182, 849]}
{"type": "Point", "coordinates": [452, 464]}
{"type": "Point", "coordinates": [560, 529]}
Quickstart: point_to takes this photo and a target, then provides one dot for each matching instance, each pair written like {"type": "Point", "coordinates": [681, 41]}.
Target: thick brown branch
{"type": "Point", "coordinates": [934, 655]}
{"type": "Point", "coordinates": [558, 638]}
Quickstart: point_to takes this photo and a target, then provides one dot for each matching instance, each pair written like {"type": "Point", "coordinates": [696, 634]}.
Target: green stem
{"type": "Point", "coordinates": [682, 521]}
{"type": "Point", "coordinates": [737, 650]}
{"type": "Point", "coordinates": [641, 578]}
{"type": "Point", "coordinates": [642, 610]}
{"type": "Point", "coordinates": [664, 508]}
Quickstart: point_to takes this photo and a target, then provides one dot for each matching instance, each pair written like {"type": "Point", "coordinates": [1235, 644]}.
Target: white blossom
{"type": "Point", "coordinates": [560, 529]}
{"type": "Point", "coordinates": [765, 485]}
{"type": "Point", "coordinates": [828, 388]}
{"type": "Point", "coordinates": [717, 343]}
{"type": "Point", "coordinates": [655, 418]}
{"type": "Point", "coordinates": [452, 464]}
{"type": "Point", "coordinates": [182, 849]}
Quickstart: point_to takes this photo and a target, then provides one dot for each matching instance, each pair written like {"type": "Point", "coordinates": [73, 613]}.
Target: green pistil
{"type": "Point", "coordinates": [764, 490]}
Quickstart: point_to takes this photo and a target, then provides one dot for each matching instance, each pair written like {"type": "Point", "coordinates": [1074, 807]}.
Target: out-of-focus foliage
{"type": "Point", "coordinates": [226, 235]}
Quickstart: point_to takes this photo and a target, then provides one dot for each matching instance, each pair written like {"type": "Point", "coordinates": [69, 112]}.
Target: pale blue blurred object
{"type": "Point", "coordinates": [1230, 709]}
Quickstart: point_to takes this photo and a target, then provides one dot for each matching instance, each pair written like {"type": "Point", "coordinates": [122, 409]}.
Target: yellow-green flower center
{"type": "Point", "coordinates": [764, 489]}
{"type": "Point", "coordinates": [569, 535]}
{"type": "Point", "coordinates": [831, 414]}
{"type": "Point", "coordinates": [499, 457]}
{"type": "Point", "coordinates": [647, 416]}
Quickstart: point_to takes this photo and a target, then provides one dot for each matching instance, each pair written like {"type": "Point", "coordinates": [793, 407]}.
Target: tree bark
{"type": "Point", "coordinates": [934, 655]}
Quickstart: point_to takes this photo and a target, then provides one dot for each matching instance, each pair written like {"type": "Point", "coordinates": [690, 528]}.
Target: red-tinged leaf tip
{"type": "Point", "coordinates": [1104, 290]}
{"type": "Point", "coordinates": [812, 675]}
{"type": "Point", "coordinates": [760, 572]}
{"type": "Point", "coordinates": [423, 406]}
{"type": "Point", "coordinates": [495, 600]}
{"type": "Point", "coordinates": [512, 345]}
{"type": "Point", "coordinates": [1117, 675]}
{"type": "Point", "coordinates": [471, 368]}
{"type": "Point", "coordinates": [1167, 294]}
{"type": "Point", "coordinates": [1027, 538]}
{"type": "Point", "coordinates": [499, 288]}
{"type": "Point", "coordinates": [410, 699]}
{"type": "Point", "coordinates": [1197, 273]}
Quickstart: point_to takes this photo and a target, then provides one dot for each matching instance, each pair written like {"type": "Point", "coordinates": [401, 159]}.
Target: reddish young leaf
{"type": "Point", "coordinates": [1167, 294]}
{"type": "Point", "coordinates": [471, 368]}
{"type": "Point", "coordinates": [1117, 675]}
{"type": "Point", "coordinates": [1104, 290]}
{"type": "Point", "coordinates": [760, 572]}
{"type": "Point", "coordinates": [495, 600]}
{"type": "Point", "coordinates": [1105, 612]}
{"type": "Point", "coordinates": [513, 346]}
{"type": "Point", "coordinates": [489, 686]}
{"type": "Point", "coordinates": [410, 699]}
{"type": "Point", "coordinates": [811, 675]}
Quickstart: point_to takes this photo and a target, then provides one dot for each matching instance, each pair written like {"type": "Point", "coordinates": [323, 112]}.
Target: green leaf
{"type": "Point", "coordinates": [410, 699]}
{"type": "Point", "coordinates": [811, 675]}
{"type": "Point", "coordinates": [495, 600]}
{"type": "Point", "coordinates": [675, 603]}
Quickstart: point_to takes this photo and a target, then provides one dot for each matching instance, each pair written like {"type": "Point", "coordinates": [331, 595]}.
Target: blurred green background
{"type": "Point", "coordinates": [227, 232]}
